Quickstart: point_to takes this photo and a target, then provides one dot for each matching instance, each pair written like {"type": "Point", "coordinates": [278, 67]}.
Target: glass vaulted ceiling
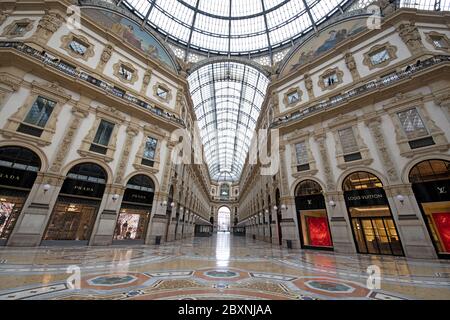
{"type": "Point", "coordinates": [235, 26]}
{"type": "Point", "coordinates": [227, 97]}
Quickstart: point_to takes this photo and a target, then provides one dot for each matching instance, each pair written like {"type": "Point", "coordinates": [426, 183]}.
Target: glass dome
{"type": "Point", "coordinates": [236, 27]}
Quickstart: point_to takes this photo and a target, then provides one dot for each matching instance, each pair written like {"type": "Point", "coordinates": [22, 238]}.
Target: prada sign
{"type": "Point", "coordinates": [137, 196]}
{"type": "Point", "coordinates": [315, 202]}
{"type": "Point", "coordinates": [434, 191]}
{"type": "Point", "coordinates": [366, 197]}
{"type": "Point", "coordinates": [83, 188]}
{"type": "Point", "coordinates": [17, 178]}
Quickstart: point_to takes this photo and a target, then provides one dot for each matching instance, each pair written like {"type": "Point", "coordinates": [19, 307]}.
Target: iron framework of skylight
{"type": "Point", "coordinates": [234, 27]}
{"type": "Point", "coordinates": [227, 99]}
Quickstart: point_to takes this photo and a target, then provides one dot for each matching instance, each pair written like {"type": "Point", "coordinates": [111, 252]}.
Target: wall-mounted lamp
{"type": "Point", "coordinates": [164, 203]}
{"type": "Point", "coordinates": [401, 198]}
{"type": "Point", "coordinates": [284, 207]}
{"type": "Point", "coordinates": [181, 209]}
{"type": "Point", "coordinates": [115, 197]}
{"type": "Point", "coordinates": [172, 204]}
{"type": "Point", "coordinates": [275, 208]}
{"type": "Point", "coordinates": [267, 211]}
{"type": "Point", "coordinates": [47, 187]}
{"type": "Point", "coordinates": [332, 203]}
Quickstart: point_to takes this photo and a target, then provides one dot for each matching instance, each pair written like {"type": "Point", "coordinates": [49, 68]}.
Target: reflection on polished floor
{"type": "Point", "coordinates": [221, 267]}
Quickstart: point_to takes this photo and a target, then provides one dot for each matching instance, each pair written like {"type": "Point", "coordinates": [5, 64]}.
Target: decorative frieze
{"type": "Point", "coordinates": [351, 65]}
{"type": "Point", "coordinates": [321, 141]}
{"type": "Point", "coordinates": [132, 132]}
{"type": "Point", "coordinates": [374, 125]}
{"type": "Point", "coordinates": [105, 57]}
{"type": "Point", "coordinates": [50, 23]}
{"type": "Point", "coordinates": [79, 112]}
{"type": "Point", "coordinates": [411, 37]}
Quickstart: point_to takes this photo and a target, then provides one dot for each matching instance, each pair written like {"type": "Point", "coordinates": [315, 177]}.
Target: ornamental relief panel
{"type": "Point", "coordinates": [79, 112]}
{"type": "Point", "coordinates": [105, 57]}
{"type": "Point", "coordinates": [410, 35]}
{"type": "Point", "coordinates": [47, 26]}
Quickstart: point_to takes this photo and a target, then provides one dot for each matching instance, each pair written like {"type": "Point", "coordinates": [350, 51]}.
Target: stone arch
{"type": "Point", "coordinates": [344, 175]}
{"type": "Point", "coordinates": [411, 164]}
{"type": "Point", "coordinates": [36, 150]}
{"type": "Point", "coordinates": [144, 173]}
{"type": "Point", "coordinates": [104, 166]}
{"type": "Point", "coordinates": [300, 180]}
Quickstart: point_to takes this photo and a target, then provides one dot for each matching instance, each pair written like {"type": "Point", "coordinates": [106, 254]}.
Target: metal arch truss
{"type": "Point", "coordinates": [227, 99]}
{"type": "Point", "coordinates": [234, 27]}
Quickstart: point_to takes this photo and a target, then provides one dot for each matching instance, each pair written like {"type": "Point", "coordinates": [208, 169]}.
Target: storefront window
{"type": "Point", "coordinates": [18, 171]}
{"type": "Point", "coordinates": [77, 206]}
{"type": "Point", "coordinates": [312, 216]}
{"type": "Point", "coordinates": [431, 185]}
{"type": "Point", "coordinates": [373, 227]}
{"type": "Point", "coordinates": [136, 209]}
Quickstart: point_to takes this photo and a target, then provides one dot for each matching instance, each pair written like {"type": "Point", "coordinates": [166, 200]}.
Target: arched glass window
{"type": "Point", "coordinates": [19, 158]}
{"type": "Point", "coordinates": [430, 170]}
{"type": "Point", "coordinates": [142, 183]}
{"type": "Point", "coordinates": [225, 191]}
{"type": "Point", "coordinates": [307, 188]}
{"type": "Point", "coordinates": [90, 172]}
{"type": "Point", "coordinates": [361, 180]}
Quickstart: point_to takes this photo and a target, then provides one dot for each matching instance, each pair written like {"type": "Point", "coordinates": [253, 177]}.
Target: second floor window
{"type": "Point", "coordinates": [104, 133]}
{"type": "Point", "coordinates": [302, 153]}
{"type": "Point", "coordinates": [78, 47]}
{"type": "Point", "coordinates": [162, 93]}
{"type": "Point", "coordinates": [331, 79]}
{"type": "Point", "coordinates": [150, 149]}
{"type": "Point", "coordinates": [293, 97]}
{"type": "Point", "coordinates": [40, 112]}
{"type": "Point", "coordinates": [412, 123]}
{"type": "Point", "coordinates": [379, 57]}
{"type": "Point", "coordinates": [348, 141]}
{"type": "Point", "coordinates": [125, 73]}
{"type": "Point", "coordinates": [19, 29]}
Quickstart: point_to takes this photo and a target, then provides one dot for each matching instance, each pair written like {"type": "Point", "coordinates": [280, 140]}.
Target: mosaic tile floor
{"type": "Point", "coordinates": [221, 267]}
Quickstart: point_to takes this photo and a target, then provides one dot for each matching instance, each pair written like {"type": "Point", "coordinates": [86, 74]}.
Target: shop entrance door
{"type": "Point", "coordinates": [377, 236]}
{"type": "Point", "coordinates": [72, 221]}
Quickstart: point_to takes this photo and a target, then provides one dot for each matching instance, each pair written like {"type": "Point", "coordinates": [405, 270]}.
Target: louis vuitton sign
{"type": "Point", "coordinates": [434, 191]}
{"type": "Point", "coordinates": [366, 197]}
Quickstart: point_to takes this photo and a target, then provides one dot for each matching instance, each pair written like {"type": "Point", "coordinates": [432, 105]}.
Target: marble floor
{"type": "Point", "coordinates": [222, 267]}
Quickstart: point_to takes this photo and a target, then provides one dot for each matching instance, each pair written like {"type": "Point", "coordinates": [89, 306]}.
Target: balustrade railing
{"type": "Point", "coordinates": [361, 90]}
{"type": "Point", "coordinates": [69, 70]}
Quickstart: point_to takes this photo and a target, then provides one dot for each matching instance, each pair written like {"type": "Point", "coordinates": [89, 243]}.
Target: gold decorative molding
{"type": "Point", "coordinates": [116, 71]}
{"type": "Point", "coordinates": [322, 78]}
{"type": "Point", "coordinates": [65, 45]}
{"type": "Point", "coordinates": [10, 27]}
{"type": "Point", "coordinates": [390, 49]}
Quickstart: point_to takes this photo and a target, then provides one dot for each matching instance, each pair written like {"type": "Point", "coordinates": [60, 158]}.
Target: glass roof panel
{"type": "Point", "coordinates": [232, 26]}
{"type": "Point", "coordinates": [227, 98]}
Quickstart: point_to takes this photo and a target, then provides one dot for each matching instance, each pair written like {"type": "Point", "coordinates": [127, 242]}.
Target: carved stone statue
{"type": "Point", "coordinates": [48, 25]}
{"type": "Point", "coordinates": [3, 16]}
{"type": "Point", "coordinates": [351, 65]}
{"type": "Point", "coordinates": [104, 58]}
{"type": "Point", "coordinates": [387, 8]}
{"type": "Point", "coordinates": [309, 85]}
{"type": "Point", "coordinates": [411, 36]}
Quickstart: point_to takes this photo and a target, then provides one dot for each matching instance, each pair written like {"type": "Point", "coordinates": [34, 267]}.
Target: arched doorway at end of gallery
{"type": "Point", "coordinates": [224, 219]}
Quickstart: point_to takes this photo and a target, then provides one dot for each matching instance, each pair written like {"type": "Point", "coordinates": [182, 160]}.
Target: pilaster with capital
{"type": "Point", "coordinates": [132, 131]}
